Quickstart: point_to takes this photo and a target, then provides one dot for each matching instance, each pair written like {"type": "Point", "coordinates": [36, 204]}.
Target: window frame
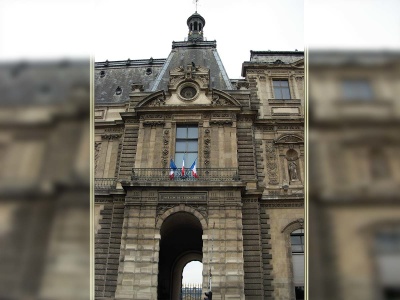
{"type": "Point", "coordinates": [280, 88]}
{"type": "Point", "coordinates": [187, 139]}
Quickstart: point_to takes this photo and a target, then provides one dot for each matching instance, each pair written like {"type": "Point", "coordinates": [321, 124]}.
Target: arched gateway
{"type": "Point", "coordinates": [181, 242]}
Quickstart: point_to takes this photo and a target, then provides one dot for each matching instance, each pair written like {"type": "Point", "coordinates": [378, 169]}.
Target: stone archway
{"type": "Point", "coordinates": [181, 241]}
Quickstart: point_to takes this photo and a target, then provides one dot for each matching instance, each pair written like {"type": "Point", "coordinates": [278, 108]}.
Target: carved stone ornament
{"type": "Point", "coordinates": [216, 101]}
{"type": "Point", "coordinates": [221, 98]}
{"type": "Point", "coordinates": [289, 138]}
{"type": "Point", "coordinates": [110, 136]}
{"type": "Point", "coordinates": [191, 73]}
{"type": "Point", "coordinates": [206, 146]}
{"type": "Point", "coordinates": [155, 99]}
{"type": "Point", "coordinates": [137, 87]}
{"type": "Point", "coordinates": [97, 148]}
{"type": "Point", "coordinates": [165, 153]}
{"type": "Point", "coordinates": [153, 123]}
{"type": "Point", "coordinates": [272, 166]}
{"type": "Point", "coordinates": [157, 102]}
{"type": "Point", "coordinates": [242, 85]}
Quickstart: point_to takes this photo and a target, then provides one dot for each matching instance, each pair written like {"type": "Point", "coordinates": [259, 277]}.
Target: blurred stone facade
{"type": "Point", "coordinates": [247, 139]}
{"type": "Point", "coordinates": [354, 165]}
{"type": "Point", "coordinates": [44, 180]}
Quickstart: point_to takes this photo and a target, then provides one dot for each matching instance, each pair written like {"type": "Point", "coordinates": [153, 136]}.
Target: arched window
{"type": "Point", "coordinates": [297, 247]}
{"type": "Point", "coordinates": [195, 25]}
{"type": "Point", "coordinates": [191, 26]}
{"type": "Point", "coordinates": [199, 26]}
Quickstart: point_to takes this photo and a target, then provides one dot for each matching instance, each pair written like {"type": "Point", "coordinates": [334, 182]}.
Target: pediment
{"type": "Point", "coordinates": [216, 98]}
{"type": "Point", "coordinates": [221, 98]}
{"type": "Point", "coordinates": [155, 99]}
{"type": "Point", "coordinates": [299, 63]}
{"type": "Point", "coordinates": [289, 139]}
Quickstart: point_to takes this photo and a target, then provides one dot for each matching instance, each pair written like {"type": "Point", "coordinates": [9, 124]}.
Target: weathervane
{"type": "Point", "coordinates": [196, 3]}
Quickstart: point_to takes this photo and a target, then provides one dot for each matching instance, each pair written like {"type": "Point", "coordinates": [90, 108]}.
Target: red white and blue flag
{"type": "Point", "coordinates": [193, 168]}
{"type": "Point", "coordinates": [183, 166]}
{"type": "Point", "coordinates": [173, 168]}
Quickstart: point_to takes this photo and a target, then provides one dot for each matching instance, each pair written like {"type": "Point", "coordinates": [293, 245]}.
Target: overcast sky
{"type": "Point", "coordinates": [122, 29]}
{"type": "Point", "coordinates": [237, 26]}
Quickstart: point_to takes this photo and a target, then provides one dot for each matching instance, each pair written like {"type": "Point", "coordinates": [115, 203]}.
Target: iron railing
{"type": "Point", "coordinates": [102, 184]}
{"type": "Point", "coordinates": [191, 292]}
{"type": "Point", "coordinates": [203, 174]}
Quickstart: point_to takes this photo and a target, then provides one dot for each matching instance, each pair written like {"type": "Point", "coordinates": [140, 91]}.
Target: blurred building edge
{"type": "Point", "coordinates": [44, 180]}
{"type": "Point", "coordinates": [354, 175]}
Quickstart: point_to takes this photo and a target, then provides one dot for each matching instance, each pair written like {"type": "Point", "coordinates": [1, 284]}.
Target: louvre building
{"type": "Point", "coordinates": [191, 165]}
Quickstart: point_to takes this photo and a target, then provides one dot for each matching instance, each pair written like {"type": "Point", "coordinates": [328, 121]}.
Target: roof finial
{"type": "Point", "coordinates": [196, 3]}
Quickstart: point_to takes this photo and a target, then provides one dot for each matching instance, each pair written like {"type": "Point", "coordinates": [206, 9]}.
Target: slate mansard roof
{"type": "Point", "coordinates": [154, 73]}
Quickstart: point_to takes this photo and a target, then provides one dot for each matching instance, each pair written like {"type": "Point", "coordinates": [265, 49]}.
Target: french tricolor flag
{"type": "Point", "coordinates": [193, 168]}
{"type": "Point", "coordinates": [173, 168]}
{"type": "Point", "coordinates": [183, 166]}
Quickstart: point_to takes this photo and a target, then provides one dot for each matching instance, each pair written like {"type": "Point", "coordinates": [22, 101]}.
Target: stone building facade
{"type": "Point", "coordinates": [240, 213]}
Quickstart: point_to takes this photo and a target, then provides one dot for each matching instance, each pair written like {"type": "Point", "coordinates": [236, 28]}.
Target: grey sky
{"type": "Point", "coordinates": [237, 26]}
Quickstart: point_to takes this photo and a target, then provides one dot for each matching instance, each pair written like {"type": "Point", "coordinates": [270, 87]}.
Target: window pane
{"type": "Point", "coordinates": [284, 83]}
{"type": "Point", "coordinates": [192, 146]}
{"type": "Point", "coordinates": [277, 93]}
{"type": "Point", "coordinates": [192, 133]}
{"type": "Point", "coordinates": [297, 248]}
{"type": "Point", "coordinates": [190, 159]}
{"type": "Point", "coordinates": [181, 132]}
{"type": "Point", "coordinates": [295, 240]}
{"type": "Point", "coordinates": [180, 147]}
{"type": "Point", "coordinates": [178, 159]}
{"type": "Point", "coordinates": [186, 145]}
{"type": "Point", "coordinates": [276, 83]}
{"type": "Point", "coordinates": [285, 93]}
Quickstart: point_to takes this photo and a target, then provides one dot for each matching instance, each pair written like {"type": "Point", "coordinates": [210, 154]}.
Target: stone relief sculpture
{"type": "Point", "coordinates": [293, 171]}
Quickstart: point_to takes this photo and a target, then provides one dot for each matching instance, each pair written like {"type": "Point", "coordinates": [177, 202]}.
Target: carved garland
{"type": "Point", "coordinates": [165, 152]}
{"type": "Point", "coordinates": [272, 166]}
{"type": "Point", "coordinates": [97, 148]}
{"type": "Point", "coordinates": [110, 136]}
{"type": "Point", "coordinates": [207, 147]}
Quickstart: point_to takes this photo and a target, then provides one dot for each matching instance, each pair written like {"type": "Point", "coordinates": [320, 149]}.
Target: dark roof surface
{"type": "Point", "coordinates": [203, 54]}
{"type": "Point", "coordinates": [124, 73]}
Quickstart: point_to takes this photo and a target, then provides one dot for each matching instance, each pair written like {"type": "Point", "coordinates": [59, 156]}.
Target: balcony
{"type": "Point", "coordinates": [105, 184]}
{"type": "Point", "coordinates": [203, 175]}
